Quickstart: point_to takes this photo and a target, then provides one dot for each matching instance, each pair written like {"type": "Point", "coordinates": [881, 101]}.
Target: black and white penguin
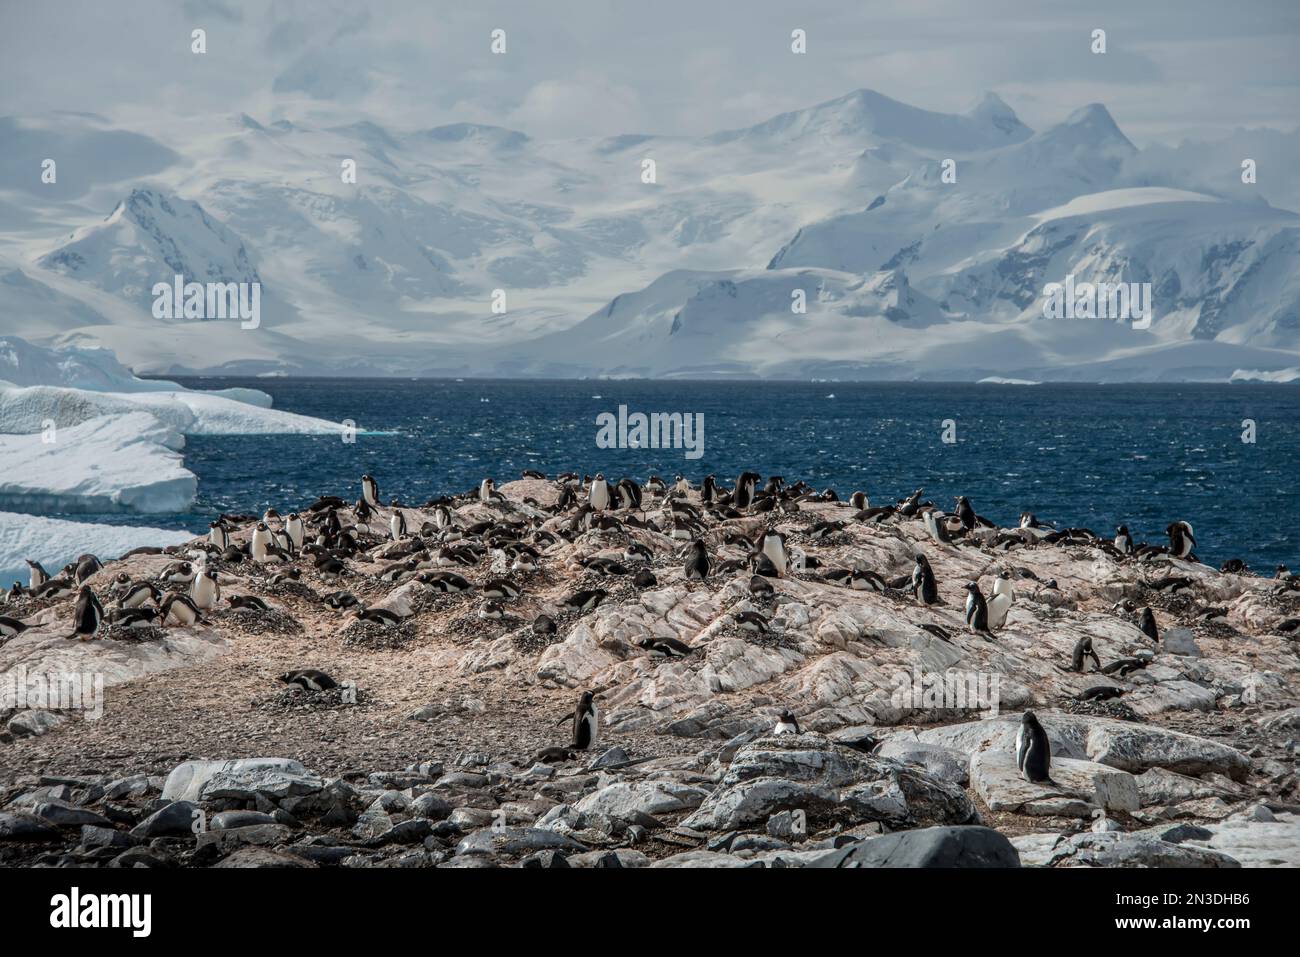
{"type": "Point", "coordinates": [859, 501]}
{"type": "Point", "coordinates": [772, 544]}
{"type": "Point", "coordinates": [1000, 602]}
{"type": "Point", "coordinates": [751, 621]}
{"type": "Point", "coordinates": [501, 588]}
{"type": "Point", "coordinates": [665, 647]}
{"type": "Point", "coordinates": [178, 609]}
{"type": "Point", "coordinates": [786, 723]}
{"type": "Point", "coordinates": [636, 552]}
{"type": "Point", "coordinates": [599, 496]}
{"type": "Point", "coordinates": [342, 599]}
{"type": "Point", "coordinates": [178, 573]}
{"type": "Point", "coordinates": [38, 575]}
{"type": "Point", "coordinates": [1181, 542]}
{"type": "Point", "coordinates": [205, 591]}
{"type": "Point", "coordinates": [487, 491]}
{"type": "Point", "coordinates": [586, 722]}
{"type": "Point", "coordinates": [1083, 650]}
{"type": "Point", "coordinates": [87, 565]}
{"type": "Point", "coordinates": [262, 546]}
{"type": "Point", "coordinates": [544, 626]}
{"type": "Point", "coordinates": [709, 489]}
{"type": "Point", "coordinates": [1123, 540]}
{"type": "Point", "coordinates": [397, 525]}
{"type": "Point", "coordinates": [87, 616]}
{"type": "Point", "coordinates": [1033, 750]}
{"type": "Point", "coordinates": [377, 616]}
{"type": "Point", "coordinates": [977, 610]}
{"type": "Point", "coordinates": [293, 527]}
{"type": "Point", "coordinates": [139, 593]}
{"type": "Point", "coordinates": [743, 497]}
{"type": "Point", "coordinates": [248, 601]}
{"type": "Point", "coordinates": [11, 626]}
{"type": "Point", "coordinates": [697, 561]}
{"type": "Point", "coordinates": [369, 491]}
{"type": "Point", "coordinates": [923, 584]}
{"type": "Point", "coordinates": [218, 534]}
{"type": "Point", "coordinates": [309, 679]}
{"type": "Point", "coordinates": [645, 578]}
{"type": "Point", "coordinates": [586, 600]}
{"type": "Point", "coordinates": [1147, 624]}
{"type": "Point", "coordinates": [965, 513]}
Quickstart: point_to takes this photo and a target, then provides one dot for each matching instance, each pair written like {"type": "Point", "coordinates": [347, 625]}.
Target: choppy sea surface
{"type": "Point", "coordinates": [1077, 455]}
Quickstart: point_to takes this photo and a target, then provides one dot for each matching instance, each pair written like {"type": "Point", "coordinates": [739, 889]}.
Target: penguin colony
{"type": "Point", "coordinates": [683, 533]}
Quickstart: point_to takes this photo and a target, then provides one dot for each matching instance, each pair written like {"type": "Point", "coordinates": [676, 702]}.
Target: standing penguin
{"type": "Point", "coordinates": [772, 545]}
{"type": "Point", "coordinates": [294, 529]}
{"type": "Point", "coordinates": [977, 610]}
{"type": "Point", "coordinates": [486, 490]}
{"type": "Point", "coordinates": [1147, 622]}
{"type": "Point", "coordinates": [262, 543]}
{"type": "Point", "coordinates": [1181, 542]}
{"type": "Point", "coordinates": [745, 485]}
{"type": "Point", "coordinates": [1033, 750]}
{"type": "Point", "coordinates": [1003, 597]}
{"type": "Point", "coordinates": [39, 576]}
{"type": "Point", "coordinates": [370, 490]}
{"type": "Point", "coordinates": [87, 616]}
{"type": "Point", "coordinates": [218, 535]}
{"type": "Point", "coordinates": [205, 592]}
{"type": "Point", "coordinates": [786, 723]}
{"type": "Point", "coordinates": [965, 513]}
{"type": "Point", "coordinates": [397, 525]}
{"type": "Point", "coordinates": [697, 562]}
{"type": "Point", "coordinates": [599, 496]}
{"type": "Point", "coordinates": [1123, 540]}
{"type": "Point", "coordinates": [923, 584]}
{"type": "Point", "coordinates": [1083, 650]}
{"type": "Point", "coordinates": [586, 722]}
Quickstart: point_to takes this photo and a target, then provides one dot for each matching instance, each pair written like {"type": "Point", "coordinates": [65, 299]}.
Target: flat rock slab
{"type": "Point", "coordinates": [1120, 744]}
{"type": "Point", "coordinates": [515, 840]}
{"type": "Point", "coordinates": [999, 783]}
{"type": "Point", "coordinates": [186, 781]}
{"type": "Point", "coordinates": [971, 846]}
{"type": "Point", "coordinates": [830, 784]}
{"type": "Point", "coordinates": [628, 801]}
{"type": "Point", "coordinates": [1114, 849]}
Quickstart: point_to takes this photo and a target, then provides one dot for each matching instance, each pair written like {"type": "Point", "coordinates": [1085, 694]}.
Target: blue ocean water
{"type": "Point", "coordinates": [1080, 455]}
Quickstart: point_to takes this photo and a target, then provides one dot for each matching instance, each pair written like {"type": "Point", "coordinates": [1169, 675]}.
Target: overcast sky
{"type": "Point", "coordinates": [1173, 69]}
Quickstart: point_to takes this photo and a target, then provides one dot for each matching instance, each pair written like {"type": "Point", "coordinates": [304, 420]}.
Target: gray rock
{"type": "Point", "coordinates": [231, 819]}
{"type": "Point", "coordinates": [1115, 849]}
{"type": "Point", "coordinates": [632, 801]}
{"type": "Point", "coordinates": [263, 857]}
{"type": "Point", "coordinates": [430, 806]}
{"type": "Point", "coordinates": [250, 784]}
{"type": "Point", "coordinates": [829, 784]}
{"type": "Point", "coordinates": [252, 834]}
{"type": "Point", "coordinates": [174, 819]}
{"type": "Point", "coordinates": [612, 756]}
{"type": "Point", "coordinates": [971, 846]}
{"type": "Point", "coordinates": [93, 836]}
{"type": "Point", "coordinates": [62, 814]}
{"type": "Point", "coordinates": [33, 723]}
{"type": "Point", "coordinates": [946, 764]}
{"type": "Point", "coordinates": [694, 859]}
{"type": "Point", "coordinates": [21, 826]}
{"type": "Point", "coordinates": [515, 840]}
{"type": "Point", "coordinates": [186, 781]}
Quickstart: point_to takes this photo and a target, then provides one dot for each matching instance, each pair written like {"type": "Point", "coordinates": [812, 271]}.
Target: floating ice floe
{"type": "Point", "coordinates": [54, 542]}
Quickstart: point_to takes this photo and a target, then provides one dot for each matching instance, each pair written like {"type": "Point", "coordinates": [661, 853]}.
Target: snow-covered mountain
{"type": "Point", "coordinates": [918, 244]}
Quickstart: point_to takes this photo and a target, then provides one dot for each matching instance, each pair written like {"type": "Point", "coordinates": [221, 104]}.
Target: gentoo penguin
{"type": "Point", "coordinates": [487, 490]}
{"type": "Point", "coordinates": [636, 552]}
{"type": "Point", "coordinates": [87, 615]}
{"type": "Point", "coordinates": [965, 513]}
{"type": "Point", "coordinates": [294, 529]}
{"type": "Point", "coordinates": [179, 609]}
{"type": "Point", "coordinates": [11, 626]}
{"type": "Point", "coordinates": [599, 496]}
{"type": "Point", "coordinates": [859, 501]}
{"type": "Point", "coordinates": [665, 647]}
{"type": "Point", "coordinates": [681, 485]}
{"type": "Point", "coordinates": [218, 535]}
{"type": "Point", "coordinates": [544, 626]}
{"type": "Point", "coordinates": [697, 562]}
{"type": "Point", "coordinates": [87, 565]}
{"type": "Point", "coordinates": [761, 588]}
{"type": "Point", "coordinates": [397, 525]}
{"type": "Point", "coordinates": [39, 576]}
{"type": "Point", "coordinates": [923, 584]}
{"type": "Point", "coordinates": [377, 616]}
{"type": "Point", "coordinates": [1181, 542]}
{"type": "Point", "coordinates": [1082, 651]}
{"type": "Point", "coordinates": [1147, 623]}
{"type": "Point", "coordinates": [139, 593]}
{"type": "Point", "coordinates": [1000, 603]}
{"type": "Point", "coordinates": [205, 592]}
{"type": "Point", "coordinates": [341, 599]}
{"type": "Point", "coordinates": [645, 578]}
{"type": "Point", "coordinates": [369, 491]}
{"type": "Point", "coordinates": [1123, 540]}
{"type": "Point", "coordinates": [584, 601]}
{"type": "Point", "coordinates": [751, 621]}
{"type": "Point", "coordinates": [1033, 750]}
{"type": "Point", "coordinates": [772, 544]}
{"type": "Point", "coordinates": [786, 723]}
{"type": "Point", "coordinates": [492, 610]}
{"type": "Point", "coordinates": [178, 573]}
{"type": "Point", "coordinates": [977, 610]}
{"type": "Point", "coordinates": [248, 601]}
{"type": "Point", "coordinates": [261, 544]}
{"type": "Point", "coordinates": [586, 722]}
{"type": "Point", "coordinates": [309, 679]}
{"type": "Point", "coordinates": [501, 588]}
{"type": "Point", "coordinates": [744, 494]}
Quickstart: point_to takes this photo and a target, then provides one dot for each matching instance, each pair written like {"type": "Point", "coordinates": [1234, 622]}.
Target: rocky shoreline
{"type": "Point", "coordinates": [443, 743]}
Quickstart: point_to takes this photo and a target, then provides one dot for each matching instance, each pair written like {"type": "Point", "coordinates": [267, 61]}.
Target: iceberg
{"type": "Point", "coordinates": [54, 542]}
{"type": "Point", "coordinates": [110, 463]}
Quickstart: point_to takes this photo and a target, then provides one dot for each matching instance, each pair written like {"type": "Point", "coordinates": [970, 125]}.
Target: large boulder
{"type": "Point", "coordinates": [971, 846]}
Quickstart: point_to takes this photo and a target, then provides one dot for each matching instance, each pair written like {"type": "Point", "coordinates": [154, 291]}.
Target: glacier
{"type": "Point", "coordinates": [54, 542]}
